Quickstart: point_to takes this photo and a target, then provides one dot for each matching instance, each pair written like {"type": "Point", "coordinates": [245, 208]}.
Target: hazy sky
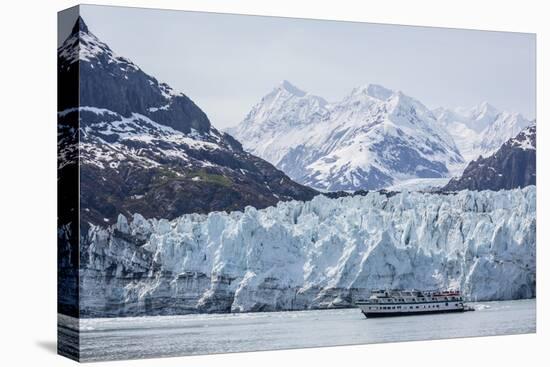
{"type": "Point", "coordinates": [226, 63]}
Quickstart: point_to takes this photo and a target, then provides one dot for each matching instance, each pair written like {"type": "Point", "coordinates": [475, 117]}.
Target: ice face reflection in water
{"type": "Point", "coordinates": [162, 336]}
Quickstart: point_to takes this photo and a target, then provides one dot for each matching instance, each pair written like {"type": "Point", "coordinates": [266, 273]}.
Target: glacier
{"type": "Point", "coordinates": [323, 253]}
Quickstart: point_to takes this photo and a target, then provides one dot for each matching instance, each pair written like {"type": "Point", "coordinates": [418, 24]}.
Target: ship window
{"type": "Point", "coordinates": [411, 307]}
{"type": "Point", "coordinates": [393, 308]}
{"type": "Point", "coordinates": [456, 304]}
{"type": "Point", "coordinates": [446, 303]}
{"type": "Point", "coordinates": [417, 307]}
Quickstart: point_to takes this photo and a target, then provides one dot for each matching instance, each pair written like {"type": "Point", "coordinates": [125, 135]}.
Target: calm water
{"type": "Point", "coordinates": [163, 336]}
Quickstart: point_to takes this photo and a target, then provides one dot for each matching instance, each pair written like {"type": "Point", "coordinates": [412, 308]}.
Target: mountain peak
{"type": "Point", "coordinates": [373, 90]}
{"type": "Point", "coordinates": [80, 26]}
{"type": "Point", "coordinates": [486, 105]}
{"type": "Point", "coordinates": [379, 92]}
{"type": "Point", "coordinates": [484, 109]}
{"type": "Point", "coordinates": [291, 88]}
{"type": "Point", "coordinates": [511, 166]}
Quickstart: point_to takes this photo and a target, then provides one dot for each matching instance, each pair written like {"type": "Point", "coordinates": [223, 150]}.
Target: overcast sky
{"type": "Point", "coordinates": [226, 63]}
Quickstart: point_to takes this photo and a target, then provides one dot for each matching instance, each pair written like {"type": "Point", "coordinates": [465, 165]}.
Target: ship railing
{"type": "Point", "coordinates": [402, 293]}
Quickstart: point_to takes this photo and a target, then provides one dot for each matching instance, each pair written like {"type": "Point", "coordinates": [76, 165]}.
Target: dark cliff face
{"type": "Point", "coordinates": [115, 83]}
{"type": "Point", "coordinates": [146, 149]}
{"type": "Point", "coordinates": [512, 166]}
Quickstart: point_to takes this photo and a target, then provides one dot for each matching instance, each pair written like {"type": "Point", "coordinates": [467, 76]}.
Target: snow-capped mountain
{"type": "Point", "coordinates": [318, 254]}
{"type": "Point", "coordinates": [481, 130]}
{"type": "Point", "coordinates": [144, 147]}
{"type": "Point", "coordinates": [371, 139]}
{"type": "Point", "coordinates": [513, 165]}
{"type": "Point", "coordinates": [281, 112]}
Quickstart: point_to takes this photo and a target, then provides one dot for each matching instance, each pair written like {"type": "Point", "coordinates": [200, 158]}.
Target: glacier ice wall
{"type": "Point", "coordinates": [318, 254]}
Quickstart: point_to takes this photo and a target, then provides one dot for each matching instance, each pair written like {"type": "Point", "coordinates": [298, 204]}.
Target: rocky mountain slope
{"type": "Point", "coordinates": [146, 148]}
{"type": "Point", "coordinates": [318, 254]}
{"type": "Point", "coordinates": [480, 130]}
{"type": "Point", "coordinates": [513, 165]}
{"type": "Point", "coordinates": [371, 139]}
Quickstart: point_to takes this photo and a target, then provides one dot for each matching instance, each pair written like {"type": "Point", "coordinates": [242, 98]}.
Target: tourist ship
{"type": "Point", "coordinates": [383, 303]}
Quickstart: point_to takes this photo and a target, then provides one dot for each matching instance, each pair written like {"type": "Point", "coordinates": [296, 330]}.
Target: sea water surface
{"type": "Point", "coordinates": [165, 336]}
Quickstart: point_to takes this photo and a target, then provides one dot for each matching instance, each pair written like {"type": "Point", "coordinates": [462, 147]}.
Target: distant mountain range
{"type": "Point", "coordinates": [480, 131]}
{"type": "Point", "coordinates": [513, 165]}
{"type": "Point", "coordinates": [374, 138]}
{"type": "Point", "coordinates": [371, 139]}
{"type": "Point", "coordinates": [146, 148]}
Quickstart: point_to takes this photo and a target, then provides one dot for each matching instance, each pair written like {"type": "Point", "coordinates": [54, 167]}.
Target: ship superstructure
{"type": "Point", "coordinates": [411, 302]}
